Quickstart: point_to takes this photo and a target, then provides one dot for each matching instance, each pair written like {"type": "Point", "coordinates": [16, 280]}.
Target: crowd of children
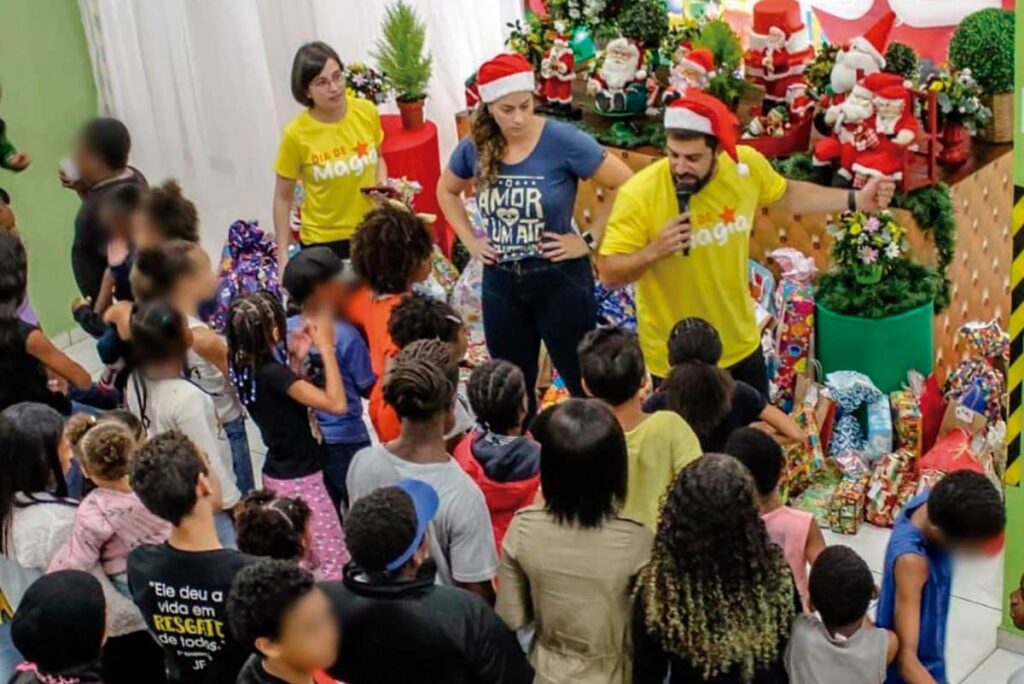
{"type": "Point", "coordinates": [632, 534]}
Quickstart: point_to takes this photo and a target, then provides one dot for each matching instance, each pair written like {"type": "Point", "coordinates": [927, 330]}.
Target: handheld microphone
{"type": "Point", "coordinates": [683, 198]}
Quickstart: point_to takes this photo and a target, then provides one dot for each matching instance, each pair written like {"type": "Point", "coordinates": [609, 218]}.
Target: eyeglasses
{"type": "Point", "coordinates": [337, 78]}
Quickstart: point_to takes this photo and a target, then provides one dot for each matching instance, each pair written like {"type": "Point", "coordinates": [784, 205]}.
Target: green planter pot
{"type": "Point", "coordinates": [884, 349]}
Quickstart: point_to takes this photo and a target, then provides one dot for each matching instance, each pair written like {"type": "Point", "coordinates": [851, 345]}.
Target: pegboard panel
{"type": "Point", "coordinates": [980, 272]}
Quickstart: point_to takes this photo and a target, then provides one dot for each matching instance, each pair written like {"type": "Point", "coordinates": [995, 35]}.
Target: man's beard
{"type": "Point", "coordinates": [617, 75]}
{"type": "Point", "coordinates": [844, 75]}
{"type": "Point", "coordinates": [853, 111]}
{"type": "Point", "coordinates": [693, 184]}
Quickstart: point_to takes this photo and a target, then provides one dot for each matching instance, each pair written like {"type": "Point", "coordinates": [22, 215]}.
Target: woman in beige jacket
{"type": "Point", "coordinates": [568, 565]}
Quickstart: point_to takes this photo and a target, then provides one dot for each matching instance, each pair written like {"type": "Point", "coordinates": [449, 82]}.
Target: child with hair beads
{"type": "Point", "coordinates": [273, 526]}
{"type": "Point", "coordinates": [280, 402]}
{"type": "Point", "coordinates": [795, 531]}
{"type": "Point", "coordinates": [26, 353]}
{"type": "Point", "coordinates": [711, 401]}
{"type": "Point", "coordinates": [391, 251]}
{"type": "Point", "coordinates": [504, 462]}
{"type": "Point", "coordinates": [110, 521]}
{"type": "Point", "coordinates": [312, 279]}
{"type": "Point", "coordinates": [180, 272]}
{"type": "Point", "coordinates": [163, 397]}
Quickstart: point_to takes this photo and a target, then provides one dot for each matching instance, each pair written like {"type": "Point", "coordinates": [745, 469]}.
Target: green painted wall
{"type": "Point", "coordinates": [1018, 115]}
{"type": "Point", "coordinates": [48, 91]}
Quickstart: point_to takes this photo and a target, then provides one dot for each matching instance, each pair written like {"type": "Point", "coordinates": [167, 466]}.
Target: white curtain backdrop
{"type": "Point", "coordinates": [203, 85]}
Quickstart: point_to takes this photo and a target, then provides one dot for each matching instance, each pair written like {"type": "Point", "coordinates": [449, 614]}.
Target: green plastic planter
{"type": "Point", "coordinates": [884, 349]}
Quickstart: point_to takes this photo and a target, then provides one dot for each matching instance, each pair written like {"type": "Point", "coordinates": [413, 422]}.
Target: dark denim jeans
{"type": "Point", "coordinates": [339, 457]}
{"type": "Point", "coordinates": [527, 301]}
{"type": "Point", "coordinates": [241, 459]}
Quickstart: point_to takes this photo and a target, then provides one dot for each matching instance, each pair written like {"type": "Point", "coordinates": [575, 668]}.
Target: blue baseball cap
{"type": "Point", "coordinates": [425, 502]}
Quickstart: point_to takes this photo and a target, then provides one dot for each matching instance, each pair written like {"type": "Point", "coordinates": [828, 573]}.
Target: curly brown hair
{"type": "Point", "coordinates": [172, 214]}
{"type": "Point", "coordinates": [105, 446]}
{"type": "Point", "coordinates": [490, 145]}
{"type": "Point", "coordinates": [272, 526]}
{"type": "Point", "coordinates": [717, 592]}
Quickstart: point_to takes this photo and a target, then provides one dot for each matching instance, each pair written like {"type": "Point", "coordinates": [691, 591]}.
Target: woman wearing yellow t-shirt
{"type": "Point", "coordinates": [333, 147]}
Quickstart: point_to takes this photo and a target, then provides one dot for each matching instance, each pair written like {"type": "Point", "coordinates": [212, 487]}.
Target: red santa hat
{"type": "Point", "coordinates": [700, 60]}
{"type": "Point", "coordinates": [874, 41]}
{"type": "Point", "coordinates": [782, 14]}
{"type": "Point", "coordinates": [881, 81]}
{"type": "Point", "coordinates": [702, 113]}
{"type": "Point", "coordinates": [505, 74]}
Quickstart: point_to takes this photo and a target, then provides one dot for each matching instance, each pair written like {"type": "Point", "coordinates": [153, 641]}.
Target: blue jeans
{"type": "Point", "coordinates": [225, 527]}
{"type": "Point", "coordinates": [527, 301]}
{"type": "Point", "coordinates": [10, 658]}
{"type": "Point", "coordinates": [241, 460]}
{"type": "Point", "coordinates": [339, 457]}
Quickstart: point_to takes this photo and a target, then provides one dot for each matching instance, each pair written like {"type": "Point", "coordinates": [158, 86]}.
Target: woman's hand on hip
{"type": "Point", "coordinates": [563, 246]}
{"type": "Point", "coordinates": [482, 249]}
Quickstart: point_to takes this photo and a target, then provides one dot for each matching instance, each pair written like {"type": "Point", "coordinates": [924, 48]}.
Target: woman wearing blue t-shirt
{"type": "Point", "coordinates": [537, 283]}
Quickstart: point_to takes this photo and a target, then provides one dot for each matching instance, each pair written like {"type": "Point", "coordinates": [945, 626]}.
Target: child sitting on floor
{"type": "Point", "coordinates": [312, 279]}
{"type": "Point", "coordinates": [503, 462]}
{"type": "Point", "coordinates": [843, 647]}
{"type": "Point", "coordinates": [793, 530]}
{"type": "Point", "coordinates": [391, 251]}
{"type": "Point", "coordinates": [660, 444]}
{"type": "Point", "coordinates": [711, 401]}
{"type": "Point", "coordinates": [960, 516]}
{"type": "Point", "coordinates": [110, 521]}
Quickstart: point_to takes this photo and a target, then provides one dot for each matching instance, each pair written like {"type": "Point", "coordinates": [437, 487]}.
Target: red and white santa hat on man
{"type": "Point", "coordinates": [505, 74]}
{"type": "Point", "coordinates": [876, 38]}
{"type": "Point", "coordinates": [699, 112]}
{"type": "Point", "coordinates": [700, 60]}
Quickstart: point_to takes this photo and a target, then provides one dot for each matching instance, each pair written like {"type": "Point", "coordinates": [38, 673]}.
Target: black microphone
{"type": "Point", "coordinates": [683, 198]}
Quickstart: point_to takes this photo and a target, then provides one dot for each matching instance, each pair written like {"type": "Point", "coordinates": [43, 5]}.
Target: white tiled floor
{"type": "Point", "coordinates": [977, 585]}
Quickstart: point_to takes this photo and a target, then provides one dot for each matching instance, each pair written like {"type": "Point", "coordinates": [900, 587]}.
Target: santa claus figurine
{"type": "Point", "coordinates": [798, 101]}
{"type": "Point", "coordinates": [694, 70]}
{"type": "Point", "coordinates": [773, 124]}
{"type": "Point", "coordinates": [619, 87]}
{"type": "Point", "coordinates": [862, 57]}
{"type": "Point", "coordinates": [895, 126]}
{"type": "Point", "coordinates": [852, 133]}
{"type": "Point", "coordinates": [557, 72]}
{"type": "Point", "coordinates": [779, 49]}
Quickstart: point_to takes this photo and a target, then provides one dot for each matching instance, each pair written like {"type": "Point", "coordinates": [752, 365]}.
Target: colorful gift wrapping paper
{"type": "Point", "coordinates": [892, 484]}
{"type": "Point", "coordinates": [846, 509]}
{"type": "Point", "coordinates": [906, 419]}
{"type": "Point", "coordinates": [817, 500]}
{"type": "Point", "coordinates": [879, 437]}
{"type": "Point", "coordinates": [850, 389]}
{"type": "Point", "coordinates": [989, 346]}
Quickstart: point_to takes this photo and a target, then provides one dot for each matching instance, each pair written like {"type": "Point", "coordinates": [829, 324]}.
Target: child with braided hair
{"type": "Point", "coordinates": [110, 521]}
{"type": "Point", "coordinates": [421, 387]}
{"type": "Point", "coordinates": [504, 462]}
{"type": "Point", "coordinates": [717, 600]}
{"type": "Point", "coordinates": [280, 403]}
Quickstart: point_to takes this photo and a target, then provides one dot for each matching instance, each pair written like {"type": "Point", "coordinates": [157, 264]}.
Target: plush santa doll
{"type": "Point", "coordinates": [692, 71]}
{"type": "Point", "coordinates": [557, 71]}
{"type": "Point", "coordinates": [773, 124]}
{"type": "Point", "coordinates": [861, 57]}
{"type": "Point", "coordinates": [799, 103]}
{"type": "Point", "coordinates": [619, 87]}
{"type": "Point", "coordinates": [852, 134]}
{"type": "Point", "coordinates": [895, 126]}
{"type": "Point", "coordinates": [779, 49]}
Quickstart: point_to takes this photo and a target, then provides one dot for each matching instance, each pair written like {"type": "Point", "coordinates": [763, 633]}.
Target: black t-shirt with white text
{"type": "Point", "coordinates": [182, 596]}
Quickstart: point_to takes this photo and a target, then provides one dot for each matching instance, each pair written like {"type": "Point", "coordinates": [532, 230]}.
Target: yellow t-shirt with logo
{"type": "Point", "coordinates": [711, 282]}
{"type": "Point", "coordinates": [333, 161]}
{"type": "Point", "coordinates": [658, 449]}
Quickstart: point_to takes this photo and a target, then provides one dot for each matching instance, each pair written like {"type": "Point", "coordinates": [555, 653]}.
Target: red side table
{"type": "Point", "coordinates": [416, 155]}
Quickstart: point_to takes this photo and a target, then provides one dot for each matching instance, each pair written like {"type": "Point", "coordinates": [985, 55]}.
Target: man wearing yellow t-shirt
{"type": "Point", "coordinates": [692, 260]}
{"type": "Point", "coordinates": [333, 147]}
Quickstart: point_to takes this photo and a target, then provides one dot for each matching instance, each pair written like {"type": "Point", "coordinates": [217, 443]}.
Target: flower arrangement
{"type": "Point", "coordinates": [868, 244]}
{"type": "Point", "coordinates": [959, 99]}
{"type": "Point", "coordinates": [530, 39]}
{"type": "Point", "coordinates": [586, 13]}
{"type": "Point", "coordinates": [366, 82]}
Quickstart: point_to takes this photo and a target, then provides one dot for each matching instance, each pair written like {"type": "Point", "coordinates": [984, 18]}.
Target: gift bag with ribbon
{"type": "Point", "coordinates": [794, 307]}
{"type": "Point", "coordinates": [811, 394]}
{"type": "Point", "coordinates": [951, 453]}
{"type": "Point", "coordinates": [850, 389]}
{"type": "Point", "coordinates": [968, 411]}
{"type": "Point", "coordinates": [892, 484]}
{"type": "Point", "coordinates": [933, 407]}
{"type": "Point", "coordinates": [989, 347]}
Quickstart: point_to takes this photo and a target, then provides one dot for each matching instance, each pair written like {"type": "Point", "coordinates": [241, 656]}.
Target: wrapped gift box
{"type": "Point", "coordinates": [906, 421]}
{"type": "Point", "coordinates": [892, 484]}
{"type": "Point", "coordinates": [846, 510]}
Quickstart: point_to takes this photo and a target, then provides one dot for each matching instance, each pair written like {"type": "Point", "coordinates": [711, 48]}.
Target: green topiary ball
{"type": "Point", "coordinates": [901, 59]}
{"type": "Point", "coordinates": [645, 21]}
{"type": "Point", "coordinates": [983, 43]}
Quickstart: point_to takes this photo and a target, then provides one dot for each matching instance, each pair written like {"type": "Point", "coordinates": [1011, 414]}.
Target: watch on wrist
{"type": "Point", "coordinates": [589, 240]}
{"type": "Point", "coordinates": [851, 200]}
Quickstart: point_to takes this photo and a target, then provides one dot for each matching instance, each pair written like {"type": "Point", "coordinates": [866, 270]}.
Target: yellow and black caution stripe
{"type": "Point", "coordinates": [1013, 427]}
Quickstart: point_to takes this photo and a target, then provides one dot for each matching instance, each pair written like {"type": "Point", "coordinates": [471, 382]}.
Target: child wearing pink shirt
{"type": "Point", "coordinates": [793, 530]}
{"type": "Point", "coordinates": [110, 521]}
